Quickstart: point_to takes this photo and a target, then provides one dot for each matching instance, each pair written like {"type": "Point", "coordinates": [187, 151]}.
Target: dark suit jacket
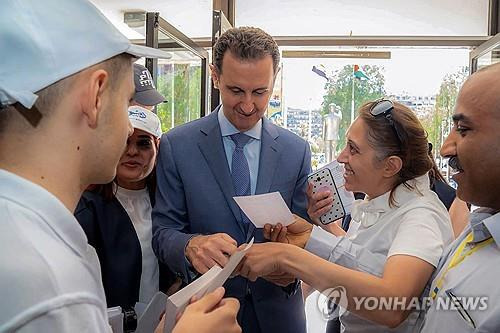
{"type": "Point", "coordinates": [195, 196]}
{"type": "Point", "coordinates": [111, 232]}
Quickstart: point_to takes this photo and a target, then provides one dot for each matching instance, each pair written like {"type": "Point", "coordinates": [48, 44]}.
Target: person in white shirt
{"type": "Point", "coordinates": [116, 218]}
{"type": "Point", "coordinates": [396, 236]}
{"type": "Point", "coordinates": [65, 86]}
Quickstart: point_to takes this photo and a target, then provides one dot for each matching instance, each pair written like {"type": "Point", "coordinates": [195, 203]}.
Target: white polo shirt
{"type": "Point", "coordinates": [418, 226]}
{"type": "Point", "coordinates": [50, 277]}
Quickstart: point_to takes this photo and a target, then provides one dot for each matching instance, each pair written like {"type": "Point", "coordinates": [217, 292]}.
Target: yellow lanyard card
{"type": "Point", "coordinates": [457, 259]}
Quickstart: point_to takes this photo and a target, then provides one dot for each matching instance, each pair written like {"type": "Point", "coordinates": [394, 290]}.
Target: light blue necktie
{"type": "Point", "coordinates": [240, 172]}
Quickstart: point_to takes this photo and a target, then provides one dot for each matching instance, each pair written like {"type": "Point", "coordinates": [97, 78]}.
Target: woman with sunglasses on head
{"type": "Point", "coordinates": [396, 237]}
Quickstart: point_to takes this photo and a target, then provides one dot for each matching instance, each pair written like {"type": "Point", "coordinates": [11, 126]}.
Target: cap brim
{"type": "Point", "coordinates": [149, 97]}
{"type": "Point", "coordinates": [148, 52]}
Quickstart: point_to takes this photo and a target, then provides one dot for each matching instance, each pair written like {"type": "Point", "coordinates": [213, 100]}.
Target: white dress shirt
{"type": "Point", "coordinates": [251, 149]}
{"type": "Point", "coordinates": [418, 226]}
{"type": "Point", "coordinates": [50, 278]}
{"type": "Point", "coordinates": [138, 207]}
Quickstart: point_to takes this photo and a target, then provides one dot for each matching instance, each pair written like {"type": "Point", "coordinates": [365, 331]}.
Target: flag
{"type": "Point", "coordinates": [319, 72]}
{"type": "Point", "coordinates": [358, 73]}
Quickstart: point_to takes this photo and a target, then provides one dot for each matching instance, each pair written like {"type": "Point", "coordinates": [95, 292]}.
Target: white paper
{"type": "Point", "coordinates": [149, 318]}
{"type": "Point", "coordinates": [115, 319]}
{"type": "Point", "coordinates": [337, 171]}
{"type": "Point", "coordinates": [206, 283]}
{"type": "Point", "coordinates": [265, 208]}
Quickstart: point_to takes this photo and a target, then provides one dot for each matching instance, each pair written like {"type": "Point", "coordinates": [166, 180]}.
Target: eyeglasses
{"type": "Point", "coordinates": [383, 108]}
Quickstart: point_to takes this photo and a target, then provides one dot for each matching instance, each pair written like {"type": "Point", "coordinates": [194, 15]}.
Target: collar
{"type": "Point", "coordinates": [368, 211]}
{"type": "Point", "coordinates": [227, 128]}
{"type": "Point", "coordinates": [49, 208]}
{"type": "Point", "coordinates": [130, 193]}
{"type": "Point", "coordinates": [485, 225]}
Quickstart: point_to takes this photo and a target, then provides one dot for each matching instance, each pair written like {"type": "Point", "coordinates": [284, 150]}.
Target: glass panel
{"type": "Point", "coordinates": [179, 80]}
{"type": "Point", "coordinates": [489, 58]}
{"type": "Point", "coordinates": [317, 93]}
{"type": "Point", "coordinates": [361, 17]}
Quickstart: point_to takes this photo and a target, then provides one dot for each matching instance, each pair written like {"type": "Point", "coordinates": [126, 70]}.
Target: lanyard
{"type": "Point", "coordinates": [457, 258]}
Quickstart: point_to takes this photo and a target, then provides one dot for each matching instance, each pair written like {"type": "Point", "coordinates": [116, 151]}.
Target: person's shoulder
{"type": "Point", "coordinates": [185, 131]}
{"type": "Point", "coordinates": [427, 210]}
{"type": "Point", "coordinates": [88, 200]}
{"type": "Point", "coordinates": [26, 273]}
{"type": "Point", "coordinates": [89, 195]}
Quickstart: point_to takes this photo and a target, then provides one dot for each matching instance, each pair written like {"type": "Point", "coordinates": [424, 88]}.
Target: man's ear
{"type": "Point", "coordinates": [392, 166]}
{"type": "Point", "coordinates": [215, 75]}
{"type": "Point", "coordinates": [97, 83]}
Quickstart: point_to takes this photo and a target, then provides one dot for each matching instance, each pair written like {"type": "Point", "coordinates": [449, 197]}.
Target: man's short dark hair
{"type": "Point", "coordinates": [49, 97]}
{"type": "Point", "coordinates": [246, 43]}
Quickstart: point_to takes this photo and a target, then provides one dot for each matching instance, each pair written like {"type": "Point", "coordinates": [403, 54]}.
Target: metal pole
{"type": "Point", "coordinates": [352, 96]}
{"type": "Point", "coordinates": [152, 41]}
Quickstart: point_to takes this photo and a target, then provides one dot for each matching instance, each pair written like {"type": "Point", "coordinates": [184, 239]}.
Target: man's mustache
{"type": "Point", "coordinates": [454, 163]}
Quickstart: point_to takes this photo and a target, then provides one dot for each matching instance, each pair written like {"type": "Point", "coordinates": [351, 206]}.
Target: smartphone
{"type": "Point", "coordinates": [322, 180]}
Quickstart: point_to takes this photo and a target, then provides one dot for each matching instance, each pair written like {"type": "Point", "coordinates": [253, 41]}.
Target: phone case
{"type": "Point", "coordinates": [323, 178]}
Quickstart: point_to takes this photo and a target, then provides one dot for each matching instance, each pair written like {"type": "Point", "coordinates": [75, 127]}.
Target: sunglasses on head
{"type": "Point", "coordinates": [383, 108]}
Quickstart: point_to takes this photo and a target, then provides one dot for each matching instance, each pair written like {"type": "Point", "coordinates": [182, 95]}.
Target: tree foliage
{"type": "Point", "coordinates": [338, 90]}
{"type": "Point", "coordinates": [181, 85]}
{"type": "Point", "coordinates": [439, 123]}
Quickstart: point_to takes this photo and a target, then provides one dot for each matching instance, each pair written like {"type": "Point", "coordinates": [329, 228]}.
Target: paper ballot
{"type": "Point", "coordinates": [265, 208]}
{"type": "Point", "coordinates": [337, 171]}
{"type": "Point", "coordinates": [115, 319]}
{"type": "Point", "coordinates": [150, 317]}
{"type": "Point", "coordinates": [206, 283]}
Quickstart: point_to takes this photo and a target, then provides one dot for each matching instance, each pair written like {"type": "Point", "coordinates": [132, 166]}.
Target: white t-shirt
{"type": "Point", "coordinates": [418, 226]}
{"type": "Point", "coordinates": [50, 278]}
{"type": "Point", "coordinates": [138, 207]}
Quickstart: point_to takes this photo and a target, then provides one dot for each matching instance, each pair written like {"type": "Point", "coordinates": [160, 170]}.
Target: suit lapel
{"type": "Point", "coordinates": [212, 148]}
{"type": "Point", "coordinates": [270, 152]}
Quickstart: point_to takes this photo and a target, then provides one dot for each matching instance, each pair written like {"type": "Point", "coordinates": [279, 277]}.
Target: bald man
{"type": "Point", "coordinates": [464, 289]}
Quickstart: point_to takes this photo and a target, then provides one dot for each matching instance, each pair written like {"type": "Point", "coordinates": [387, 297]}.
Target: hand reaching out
{"type": "Point", "coordinates": [206, 251]}
{"type": "Point", "coordinates": [210, 314]}
{"type": "Point", "coordinates": [262, 260]}
{"type": "Point", "coordinates": [296, 233]}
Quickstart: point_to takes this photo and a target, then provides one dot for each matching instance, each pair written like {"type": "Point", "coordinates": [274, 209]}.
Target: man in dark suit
{"type": "Point", "coordinates": [233, 151]}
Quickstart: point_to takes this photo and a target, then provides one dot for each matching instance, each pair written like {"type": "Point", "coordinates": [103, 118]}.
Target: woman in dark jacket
{"type": "Point", "coordinates": [116, 218]}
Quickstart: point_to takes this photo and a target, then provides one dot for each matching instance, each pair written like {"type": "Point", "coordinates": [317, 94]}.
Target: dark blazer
{"type": "Point", "coordinates": [445, 192]}
{"type": "Point", "coordinates": [195, 196]}
{"type": "Point", "coordinates": [111, 232]}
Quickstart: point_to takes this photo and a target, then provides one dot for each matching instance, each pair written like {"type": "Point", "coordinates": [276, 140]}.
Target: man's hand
{"type": "Point", "coordinates": [318, 204]}
{"type": "Point", "coordinates": [210, 314]}
{"type": "Point", "coordinates": [281, 279]}
{"type": "Point", "coordinates": [205, 251]}
{"type": "Point", "coordinates": [297, 233]}
{"type": "Point", "coordinates": [262, 260]}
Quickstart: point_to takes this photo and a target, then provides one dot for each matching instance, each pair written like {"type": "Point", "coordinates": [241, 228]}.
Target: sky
{"type": "Point", "coordinates": [416, 71]}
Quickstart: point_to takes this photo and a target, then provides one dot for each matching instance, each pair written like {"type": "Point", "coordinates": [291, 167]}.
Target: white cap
{"type": "Point", "coordinates": [145, 120]}
{"type": "Point", "coordinates": [44, 41]}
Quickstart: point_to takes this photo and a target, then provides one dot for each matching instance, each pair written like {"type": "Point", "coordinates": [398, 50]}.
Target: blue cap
{"type": "Point", "coordinates": [42, 42]}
